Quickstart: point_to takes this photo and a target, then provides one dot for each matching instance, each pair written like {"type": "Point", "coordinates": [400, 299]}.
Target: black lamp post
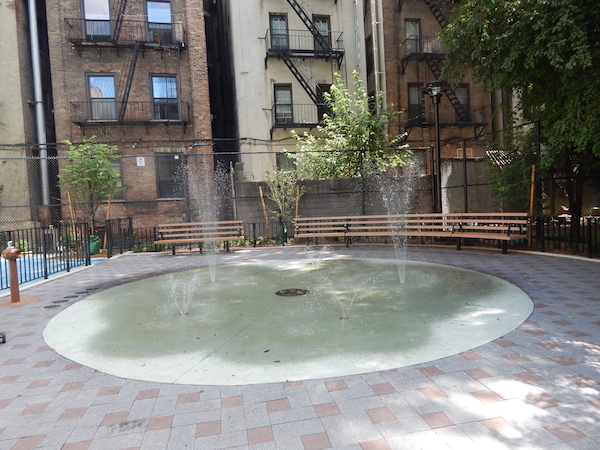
{"type": "Point", "coordinates": [435, 92]}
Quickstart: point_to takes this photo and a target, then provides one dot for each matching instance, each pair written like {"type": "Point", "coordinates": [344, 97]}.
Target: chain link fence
{"type": "Point", "coordinates": [174, 185]}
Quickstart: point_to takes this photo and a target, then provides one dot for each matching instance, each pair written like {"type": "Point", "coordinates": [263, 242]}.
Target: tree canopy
{"type": "Point", "coordinates": [351, 139]}
{"type": "Point", "coordinates": [547, 52]}
{"type": "Point", "coordinates": [89, 175]}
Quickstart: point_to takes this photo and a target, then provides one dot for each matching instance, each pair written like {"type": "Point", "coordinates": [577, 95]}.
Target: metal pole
{"type": "Point", "coordinates": [40, 119]}
{"type": "Point", "coordinates": [438, 158]}
{"type": "Point", "coordinates": [466, 190]}
{"type": "Point", "coordinates": [435, 91]}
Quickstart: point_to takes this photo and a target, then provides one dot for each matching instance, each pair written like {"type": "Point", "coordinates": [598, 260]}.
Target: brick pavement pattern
{"type": "Point", "coordinates": [538, 387]}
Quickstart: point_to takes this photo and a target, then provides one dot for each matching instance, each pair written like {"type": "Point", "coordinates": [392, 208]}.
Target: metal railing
{"type": "Point", "coordinates": [106, 111]}
{"type": "Point", "coordinates": [564, 234]}
{"type": "Point", "coordinates": [302, 41]}
{"type": "Point", "coordinates": [419, 116]}
{"type": "Point", "coordinates": [46, 251]}
{"type": "Point", "coordinates": [106, 32]}
{"type": "Point", "coordinates": [286, 115]}
{"type": "Point", "coordinates": [422, 45]}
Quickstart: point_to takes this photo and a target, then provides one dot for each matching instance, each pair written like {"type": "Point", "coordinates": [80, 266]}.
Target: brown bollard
{"type": "Point", "coordinates": [11, 254]}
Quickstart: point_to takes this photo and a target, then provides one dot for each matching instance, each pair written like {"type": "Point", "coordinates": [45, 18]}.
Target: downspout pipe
{"type": "Point", "coordinates": [40, 117]}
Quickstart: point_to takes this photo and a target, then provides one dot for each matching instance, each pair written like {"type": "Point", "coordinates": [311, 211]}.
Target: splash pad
{"type": "Point", "coordinates": [239, 331]}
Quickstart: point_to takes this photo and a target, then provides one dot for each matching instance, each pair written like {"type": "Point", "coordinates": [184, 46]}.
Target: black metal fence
{"type": "Point", "coordinates": [46, 251]}
{"type": "Point", "coordinates": [563, 234]}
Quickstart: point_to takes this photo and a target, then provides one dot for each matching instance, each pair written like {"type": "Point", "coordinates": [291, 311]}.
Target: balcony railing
{"type": "Point", "coordinates": [297, 115]}
{"type": "Point", "coordinates": [82, 32]}
{"type": "Point", "coordinates": [106, 112]}
{"type": "Point", "coordinates": [416, 116]}
{"type": "Point", "coordinates": [303, 43]}
{"type": "Point", "coordinates": [422, 45]}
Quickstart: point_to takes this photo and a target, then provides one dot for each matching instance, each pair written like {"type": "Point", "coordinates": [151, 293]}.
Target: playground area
{"type": "Point", "coordinates": [533, 387]}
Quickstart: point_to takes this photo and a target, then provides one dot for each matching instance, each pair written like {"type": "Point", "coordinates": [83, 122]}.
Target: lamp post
{"type": "Point", "coordinates": [435, 92]}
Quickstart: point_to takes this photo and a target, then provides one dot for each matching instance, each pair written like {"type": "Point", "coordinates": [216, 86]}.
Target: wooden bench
{"type": "Point", "coordinates": [503, 227]}
{"type": "Point", "coordinates": [200, 232]}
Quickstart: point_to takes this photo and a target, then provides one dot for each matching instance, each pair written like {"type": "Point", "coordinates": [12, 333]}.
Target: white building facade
{"type": "Point", "coordinates": [285, 54]}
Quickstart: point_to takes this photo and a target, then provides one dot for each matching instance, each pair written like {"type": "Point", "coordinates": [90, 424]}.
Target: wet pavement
{"type": "Point", "coordinates": [536, 387]}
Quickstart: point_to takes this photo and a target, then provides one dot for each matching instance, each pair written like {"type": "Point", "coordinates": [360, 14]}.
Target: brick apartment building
{"type": "Point", "coordinates": [406, 58]}
{"type": "Point", "coordinates": [134, 74]}
{"type": "Point", "coordinates": [173, 83]}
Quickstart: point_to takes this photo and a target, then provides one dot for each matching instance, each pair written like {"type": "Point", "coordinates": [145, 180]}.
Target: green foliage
{"type": "Point", "coordinates": [23, 245]}
{"type": "Point", "coordinates": [89, 175]}
{"type": "Point", "coordinates": [509, 170]}
{"type": "Point", "coordinates": [547, 53]}
{"type": "Point", "coordinates": [283, 188]}
{"type": "Point", "coordinates": [352, 139]}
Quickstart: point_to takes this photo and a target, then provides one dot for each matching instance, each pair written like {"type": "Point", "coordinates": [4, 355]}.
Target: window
{"type": "Point", "coordinates": [285, 161]}
{"type": "Point", "coordinates": [103, 101]}
{"type": "Point", "coordinates": [279, 31]}
{"type": "Point", "coordinates": [321, 105]}
{"type": "Point", "coordinates": [283, 104]}
{"type": "Point", "coordinates": [164, 95]}
{"type": "Point", "coordinates": [416, 106]}
{"type": "Point", "coordinates": [171, 175]}
{"type": "Point", "coordinates": [160, 28]}
{"type": "Point", "coordinates": [322, 24]}
{"type": "Point", "coordinates": [462, 94]}
{"type": "Point", "coordinates": [412, 33]}
{"type": "Point", "coordinates": [97, 20]}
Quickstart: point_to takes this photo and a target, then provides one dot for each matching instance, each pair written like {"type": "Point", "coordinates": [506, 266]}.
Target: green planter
{"type": "Point", "coordinates": [94, 245]}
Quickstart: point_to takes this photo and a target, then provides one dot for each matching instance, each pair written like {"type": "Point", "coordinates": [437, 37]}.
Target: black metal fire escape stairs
{"type": "Point", "coordinates": [326, 51]}
{"type": "Point", "coordinates": [434, 66]}
{"type": "Point", "coordinates": [129, 81]}
{"type": "Point", "coordinates": [301, 78]}
{"type": "Point", "coordinates": [119, 15]}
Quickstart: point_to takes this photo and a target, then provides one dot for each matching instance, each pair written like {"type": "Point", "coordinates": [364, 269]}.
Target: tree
{"type": "Point", "coordinates": [547, 53]}
{"type": "Point", "coordinates": [509, 168]}
{"type": "Point", "coordinates": [351, 138]}
{"type": "Point", "coordinates": [283, 191]}
{"type": "Point", "coordinates": [89, 175]}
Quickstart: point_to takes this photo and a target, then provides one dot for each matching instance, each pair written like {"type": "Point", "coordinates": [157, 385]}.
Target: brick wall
{"type": "Point", "coordinates": [69, 67]}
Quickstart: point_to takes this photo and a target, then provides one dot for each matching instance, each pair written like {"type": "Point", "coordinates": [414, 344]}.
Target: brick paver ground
{"type": "Point", "coordinates": [538, 387]}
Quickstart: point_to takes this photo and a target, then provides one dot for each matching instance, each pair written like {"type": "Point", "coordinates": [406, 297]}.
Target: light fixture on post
{"type": "Point", "coordinates": [434, 89]}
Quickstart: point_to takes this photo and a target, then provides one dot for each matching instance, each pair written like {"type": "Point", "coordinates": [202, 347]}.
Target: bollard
{"type": "Point", "coordinates": [11, 254]}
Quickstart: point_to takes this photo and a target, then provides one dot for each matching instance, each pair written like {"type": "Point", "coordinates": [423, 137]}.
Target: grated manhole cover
{"type": "Point", "coordinates": [291, 292]}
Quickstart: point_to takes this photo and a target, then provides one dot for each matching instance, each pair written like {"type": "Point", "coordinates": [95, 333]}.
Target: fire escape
{"type": "Point", "coordinates": [130, 39]}
{"type": "Point", "coordinates": [297, 46]}
{"type": "Point", "coordinates": [428, 50]}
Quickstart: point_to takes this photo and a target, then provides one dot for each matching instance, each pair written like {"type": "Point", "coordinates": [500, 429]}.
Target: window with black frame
{"type": "Point", "coordinates": [416, 104]}
{"type": "Point", "coordinates": [279, 31]}
{"type": "Point", "coordinates": [160, 26]}
{"type": "Point", "coordinates": [284, 111]}
{"type": "Point", "coordinates": [462, 94]}
{"type": "Point", "coordinates": [102, 96]}
{"type": "Point", "coordinates": [164, 98]}
{"type": "Point", "coordinates": [171, 175]}
{"type": "Point", "coordinates": [97, 20]}
{"type": "Point", "coordinates": [323, 26]}
{"type": "Point", "coordinates": [412, 33]}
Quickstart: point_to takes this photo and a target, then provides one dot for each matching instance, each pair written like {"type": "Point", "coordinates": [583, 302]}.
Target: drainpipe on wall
{"type": "Point", "coordinates": [40, 118]}
{"type": "Point", "coordinates": [378, 57]}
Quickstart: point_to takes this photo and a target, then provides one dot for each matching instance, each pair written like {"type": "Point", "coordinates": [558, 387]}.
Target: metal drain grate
{"type": "Point", "coordinates": [291, 292]}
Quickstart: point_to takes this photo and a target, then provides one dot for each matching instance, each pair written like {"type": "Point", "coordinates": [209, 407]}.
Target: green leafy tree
{"type": "Point", "coordinates": [90, 175]}
{"type": "Point", "coordinates": [283, 190]}
{"type": "Point", "coordinates": [548, 53]}
{"type": "Point", "coordinates": [509, 169]}
{"type": "Point", "coordinates": [351, 139]}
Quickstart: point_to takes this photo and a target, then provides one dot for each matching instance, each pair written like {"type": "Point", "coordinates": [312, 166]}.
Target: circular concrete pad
{"type": "Point", "coordinates": [357, 317]}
